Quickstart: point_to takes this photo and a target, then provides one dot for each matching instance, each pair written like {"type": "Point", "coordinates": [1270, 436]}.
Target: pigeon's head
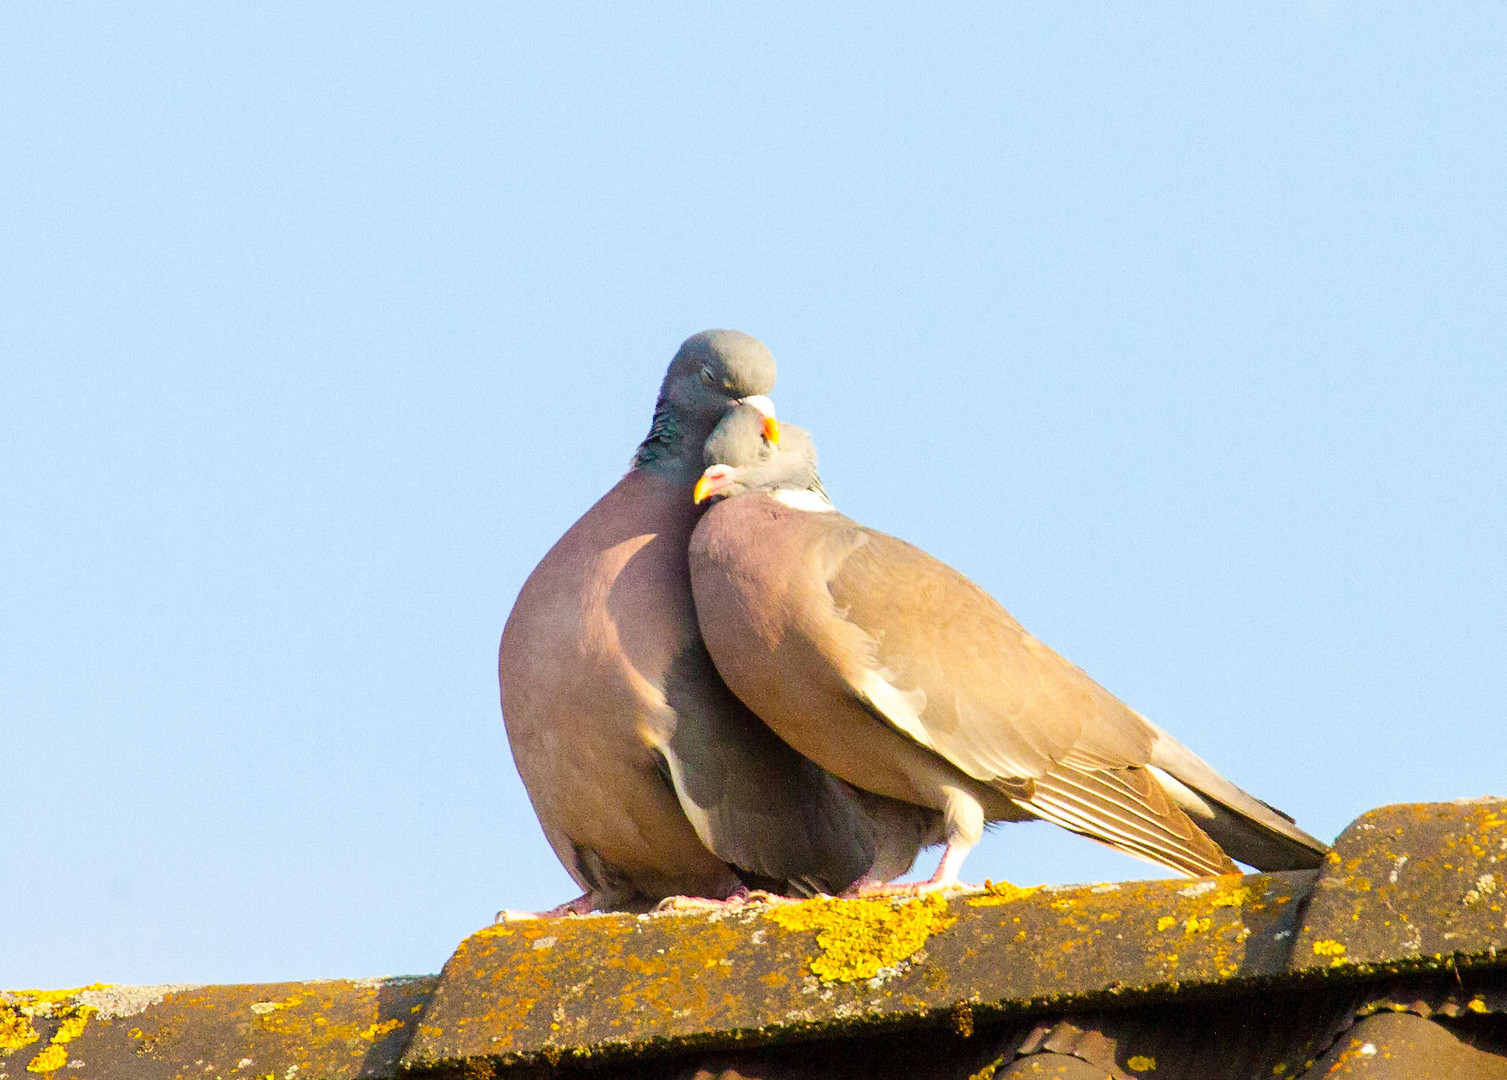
{"type": "Point", "coordinates": [716, 367]}
{"type": "Point", "coordinates": [712, 370]}
{"type": "Point", "coordinates": [748, 451]}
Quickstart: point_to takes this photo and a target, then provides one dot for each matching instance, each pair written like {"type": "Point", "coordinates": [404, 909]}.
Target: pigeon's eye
{"type": "Point", "coordinates": [706, 374]}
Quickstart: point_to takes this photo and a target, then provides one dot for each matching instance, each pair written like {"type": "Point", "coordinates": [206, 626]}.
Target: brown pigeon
{"type": "Point", "coordinates": [899, 675]}
{"type": "Point", "coordinates": [650, 778]}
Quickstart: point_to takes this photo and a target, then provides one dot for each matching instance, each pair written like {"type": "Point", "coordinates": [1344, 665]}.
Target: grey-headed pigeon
{"type": "Point", "coordinates": [899, 675]}
{"type": "Point", "coordinates": [650, 778]}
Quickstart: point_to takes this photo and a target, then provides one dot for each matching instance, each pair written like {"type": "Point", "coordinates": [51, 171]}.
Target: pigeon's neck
{"type": "Point", "coordinates": [673, 444]}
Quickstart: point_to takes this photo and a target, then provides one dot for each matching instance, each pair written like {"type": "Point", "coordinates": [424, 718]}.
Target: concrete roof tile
{"type": "Point", "coordinates": [1396, 943]}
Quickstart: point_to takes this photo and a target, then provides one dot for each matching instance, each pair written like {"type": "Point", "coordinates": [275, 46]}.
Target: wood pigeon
{"type": "Point", "coordinates": [899, 675]}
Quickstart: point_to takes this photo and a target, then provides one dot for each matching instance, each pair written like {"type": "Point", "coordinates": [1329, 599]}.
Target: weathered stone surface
{"type": "Point", "coordinates": [1209, 978]}
{"type": "Point", "coordinates": [1402, 1046]}
{"type": "Point", "coordinates": [1265, 1032]}
{"type": "Point", "coordinates": [581, 988]}
{"type": "Point", "coordinates": [1415, 885]}
{"type": "Point", "coordinates": [291, 1031]}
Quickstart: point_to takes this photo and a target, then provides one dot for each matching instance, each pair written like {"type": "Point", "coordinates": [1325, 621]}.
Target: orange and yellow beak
{"type": "Point", "coordinates": [719, 477]}
{"type": "Point", "coordinates": [766, 408]}
{"type": "Point", "coordinates": [712, 481]}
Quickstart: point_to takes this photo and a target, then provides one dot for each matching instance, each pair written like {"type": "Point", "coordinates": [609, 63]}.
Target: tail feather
{"type": "Point", "coordinates": [1245, 827]}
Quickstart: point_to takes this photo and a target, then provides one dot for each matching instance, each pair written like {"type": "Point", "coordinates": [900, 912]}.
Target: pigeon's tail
{"type": "Point", "coordinates": [1248, 829]}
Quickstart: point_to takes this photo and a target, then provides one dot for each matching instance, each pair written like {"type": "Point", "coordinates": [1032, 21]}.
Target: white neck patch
{"type": "Point", "coordinates": [803, 499]}
{"type": "Point", "coordinates": [760, 402]}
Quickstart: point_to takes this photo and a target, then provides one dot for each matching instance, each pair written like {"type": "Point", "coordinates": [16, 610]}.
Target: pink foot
{"type": "Point", "coordinates": [895, 889]}
{"type": "Point", "coordinates": [581, 905]}
{"type": "Point", "coordinates": [908, 888]}
{"type": "Point", "coordinates": [946, 877]}
{"type": "Point", "coordinates": [743, 895]}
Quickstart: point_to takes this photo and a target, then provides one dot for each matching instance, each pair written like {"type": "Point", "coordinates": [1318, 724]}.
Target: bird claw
{"type": "Point", "coordinates": [688, 903]}
{"type": "Point", "coordinates": [507, 915]}
{"type": "Point", "coordinates": [581, 905]}
{"type": "Point", "coordinates": [872, 890]}
{"type": "Point", "coordinates": [740, 898]}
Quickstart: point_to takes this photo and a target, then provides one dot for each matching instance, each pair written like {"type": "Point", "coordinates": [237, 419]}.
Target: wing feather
{"type": "Point", "coordinates": [1127, 809]}
{"type": "Point", "coordinates": [951, 668]}
{"type": "Point", "coordinates": [944, 663]}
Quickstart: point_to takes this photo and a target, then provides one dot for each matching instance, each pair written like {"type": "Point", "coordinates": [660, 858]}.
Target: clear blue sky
{"type": "Point", "coordinates": [1182, 331]}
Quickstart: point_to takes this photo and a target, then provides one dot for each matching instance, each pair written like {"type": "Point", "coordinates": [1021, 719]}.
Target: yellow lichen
{"type": "Point", "coordinates": [376, 1031]}
{"type": "Point", "coordinates": [39, 1002]}
{"type": "Point", "coordinates": [988, 1071]}
{"type": "Point", "coordinates": [1195, 925]}
{"type": "Point", "coordinates": [49, 1060]}
{"type": "Point", "coordinates": [72, 1027]}
{"type": "Point", "coordinates": [1328, 947]}
{"type": "Point", "coordinates": [1001, 892]}
{"type": "Point", "coordinates": [1141, 1063]}
{"type": "Point", "coordinates": [1166, 922]}
{"type": "Point", "coordinates": [859, 938]}
{"type": "Point", "coordinates": [962, 1019]}
{"type": "Point", "coordinates": [1234, 897]}
{"type": "Point", "coordinates": [262, 1008]}
{"type": "Point", "coordinates": [15, 1029]}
